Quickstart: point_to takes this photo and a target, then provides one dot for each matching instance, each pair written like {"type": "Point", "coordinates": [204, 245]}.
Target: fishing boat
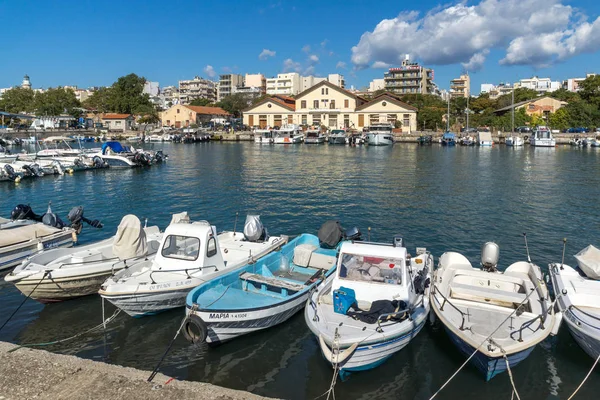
{"type": "Point", "coordinates": [288, 134]}
{"type": "Point", "coordinates": [118, 156]}
{"type": "Point", "coordinates": [314, 136]}
{"type": "Point", "coordinates": [467, 141]}
{"type": "Point", "coordinates": [337, 136]}
{"type": "Point", "coordinates": [494, 318]}
{"type": "Point", "coordinates": [190, 254]}
{"type": "Point", "coordinates": [380, 135]}
{"type": "Point", "coordinates": [514, 141]}
{"type": "Point", "coordinates": [258, 295]}
{"type": "Point", "coordinates": [577, 292]}
{"type": "Point", "coordinates": [542, 137]}
{"type": "Point", "coordinates": [263, 136]}
{"type": "Point", "coordinates": [27, 233]}
{"type": "Point", "coordinates": [425, 140]}
{"type": "Point", "coordinates": [485, 139]}
{"type": "Point", "coordinates": [371, 308]}
{"type": "Point", "coordinates": [67, 273]}
{"type": "Point", "coordinates": [449, 139]}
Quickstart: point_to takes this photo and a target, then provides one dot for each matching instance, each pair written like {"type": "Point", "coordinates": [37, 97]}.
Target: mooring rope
{"type": "Point", "coordinates": [24, 300]}
{"type": "Point", "coordinates": [586, 377]}
{"type": "Point", "coordinates": [510, 375]}
{"type": "Point", "coordinates": [102, 325]}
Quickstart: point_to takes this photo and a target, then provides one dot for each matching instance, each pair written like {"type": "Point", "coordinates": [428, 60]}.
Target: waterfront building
{"type": "Point", "coordinates": [461, 86]}
{"type": "Point", "coordinates": [540, 106]}
{"type": "Point", "coordinates": [117, 122]}
{"type": "Point", "coordinates": [288, 84]}
{"type": "Point", "coordinates": [227, 84]}
{"type": "Point", "coordinates": [326, 104]}
{"type": "Point", "coordinates": [197, 88]}
{"type": "Point", "coordinates": [376, 84]}
{"type": "Point", "coordinates": [409, 78]}
{"type": "Point", "coordinates": [180, 116]}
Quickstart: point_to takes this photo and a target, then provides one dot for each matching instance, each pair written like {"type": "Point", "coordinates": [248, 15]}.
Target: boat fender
{"type": "Point", "coordinates": [558, 318]}
{"type": "Point", "coordinates": [431, 317]}
{"type": "Point", "coordinates": [195, 329]}
{"type": "Point", "coordinates": [339, 357]}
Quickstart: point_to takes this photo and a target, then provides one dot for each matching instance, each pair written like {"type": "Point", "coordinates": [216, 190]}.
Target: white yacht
{"type": "Point", "coordinates": [263, 136]}
{"type": "Point", "coordinates": [380, 135]}
{"type": "Point", "coordinates": [514, 141]}
{"type": "Point", "coordinates": [542, 137]}
{"type": "Point", "coordinates": [314, 136]}
{"type": "Point", "coordinates": [289, 134]}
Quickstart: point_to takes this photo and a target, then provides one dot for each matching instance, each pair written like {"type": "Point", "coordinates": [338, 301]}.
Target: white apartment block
{"type": "Point", "coordinates": [227, 83]}
{"type": "Point", "coordinates": [256, 81]}
{"type": "Point", "coordinates": [337, 80]}
{"type": "Point", "coordinates": [197, 88]}
{"type": "Point", "coordinates": [287, 84]}
{"type": "Point", "coordinates": [572, 84]}
{"type": "Point", "coordinates": [376, 84]}
{"type": "Point", "coordinates": [310, 81]}
{"type": "Point", "coordinates": [151, 88]}
{"type": "Point", "coordinates": [540, 85]}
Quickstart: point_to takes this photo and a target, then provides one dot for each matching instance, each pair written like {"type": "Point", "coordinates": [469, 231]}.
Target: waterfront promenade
{"type": "Point", "coordinates": [28, 374]}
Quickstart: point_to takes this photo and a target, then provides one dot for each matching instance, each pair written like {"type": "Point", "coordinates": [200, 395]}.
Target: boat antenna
{"type": "Point", "coordinates": [448, 116]}
{"type": "Point", "coordinates": [526, 247]}
{"type": "Point", "coordinates": [235, 223]}
{"type": "Point", "coordinates": [562, 262]}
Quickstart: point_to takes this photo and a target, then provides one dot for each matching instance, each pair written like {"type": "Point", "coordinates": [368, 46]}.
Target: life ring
{"type": "Point", "coordinates": [195, 329]}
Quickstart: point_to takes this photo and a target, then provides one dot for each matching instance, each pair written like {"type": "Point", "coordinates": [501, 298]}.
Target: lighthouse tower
{"type": "Point", "coordinates": [26, 82]}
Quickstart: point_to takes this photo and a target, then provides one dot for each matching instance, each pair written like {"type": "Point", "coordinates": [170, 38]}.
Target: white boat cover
{"type": "Point", "coordinates": [254, 229]}
{"type": "Point", "coordinates": [589, 261]}
{"type": "Point", "coordinates": [130, 240]}
{"type": "Point", "coordinates": [181, 218]}
{"type": "Point", "coordinates": [25, 233]}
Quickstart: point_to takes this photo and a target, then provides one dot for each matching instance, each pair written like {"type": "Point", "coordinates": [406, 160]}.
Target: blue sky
{"type": "Point", "coordinates": [92, 43]}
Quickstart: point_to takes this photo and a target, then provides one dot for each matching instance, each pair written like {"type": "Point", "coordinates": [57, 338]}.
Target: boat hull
{"type": "Point", "coordinates": [336, 140]}
{"type": "Point", "coordinates": [12, 257]}
{"type": "Point", "coordinates": [318, 140]}
{"type": "Point", "coordinates": [489, 366]}
{"type": "Point", "coordinates": [583, 333]}
{"type": "Point", "coordinates": [379, 140]}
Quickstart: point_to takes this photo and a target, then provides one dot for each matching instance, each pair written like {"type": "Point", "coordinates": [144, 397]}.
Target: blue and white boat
{"type": "Point", "coordinates": [498, 317]}
{"type": "Point", "coordinates": [449, 139]}
{"type": "Point", "coordinates": [388, 306]}
{"type": "Point", "coordinates": [258, 295]}
{"type": "Point", "coordinates": [577, 293]}
{"type": "Point", "coordinates": [118, 156]}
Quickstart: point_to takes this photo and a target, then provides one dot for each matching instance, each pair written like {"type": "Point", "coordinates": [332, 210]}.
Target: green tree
{"type": "Point", "coordinates": [234, 104]}
{"type": "Point", "coordinates": [521, 94]}
{"type": "Point", "coordinates": [582, 113]}
{"type": "Point", "coordinates": [18, 100]}
{"type": "Point", "coordinates": [99, 100]}
{"type": "Point", "coordinates": [56, 102]}
{"type": "Point", "coordinates": [589, 90]}
{"type": "Point", "coordinates": [482, 103]}
{"type": "Point", "coordinates": [560, 119]}
{"type": "Point", "coordinates": [200, 102]}
{"type": "Point", "coordinates": [127, 96]}
{"type": "Point", "coordinates": [564, 95]}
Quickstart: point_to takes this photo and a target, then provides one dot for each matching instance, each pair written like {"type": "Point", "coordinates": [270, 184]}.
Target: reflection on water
{"type": "Point", "coordinates": [441, 198]}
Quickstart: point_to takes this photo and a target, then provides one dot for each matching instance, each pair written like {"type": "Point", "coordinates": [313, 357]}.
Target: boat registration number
{"type": "Point", "coordinates": [51, 245]}
{"type": "Point", "coordinates": [226, 315]}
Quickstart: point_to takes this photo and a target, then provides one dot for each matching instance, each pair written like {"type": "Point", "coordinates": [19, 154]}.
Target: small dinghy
{"type": "Point", "coordinates": [495, 317]}
{"type": "Point", "coordinates": [190, 254]}
{"type": "Point", "coordinates": [62, 274]}
{"type": "Point", "coordinates": [259, 295]}
{"type": "Point", "coordinates": [377, 301]}
{"type": "Point", "coordinates": [578, 297]}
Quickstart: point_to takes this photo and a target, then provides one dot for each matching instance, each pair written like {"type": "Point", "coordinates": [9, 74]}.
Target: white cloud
{"type": "Point", "coordinates": [313, 58]}
{"type": "Point", "coordinates": [227, 69]}
{"type": "Point", "coordinates": [324, 43]}
{"type": "Point", "coordinates": [340, 65]}
{"type": "Point", "coordinates": [265, 54]}
{"type": "Point", "coordinates": [380, 65]}
{"type": "Point", "coordinates": [290, 65]}
{"type": "Point", "coordinates": [310, 70]}
{"type": "Point", "coordinates": [532, 32]}
{"type": "Point", "coordinates": [210, 71]}
{"type": "Point", "coordinates": [306, 48]}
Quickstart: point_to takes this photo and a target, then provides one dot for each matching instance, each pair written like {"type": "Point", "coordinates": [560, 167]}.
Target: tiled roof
{"type": "Point", "coordinates": [116, 116]}
{"type": "Point", "coordinates": [274, 99]}
{"type": "Point", "coordinates": [389, 97]}
{"type": "Point", "coordinates": [204, 110]}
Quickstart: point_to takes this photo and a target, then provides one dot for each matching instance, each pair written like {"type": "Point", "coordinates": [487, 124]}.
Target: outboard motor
{"type": "Point", "coordinates": [398, 241]}
{"type": "Point", "coordinates": [98, 162]}
{"type": "Point", "coordinates": [421, 281]}
{"type": "Point", "coordinates": [141, 158]}
{"type": "Point", "coordinates": [24, 211]}
{"type": "Point", "coordinates": [10, 172]}
{"type": "Point", "coordinates": [76, 217]}
{"type": "Point", "coordinates": [330, 234]}
{"type": "Point", "coordinates": [33, 170]}
{"type": "Point", "coordinates": [490, 253]}
{"type": "Point", "coordinates": [353, 234]}
{"type": "Point", "coordinates": [52, 219]}
{"type": "Point", "coordinates": [254, 229]}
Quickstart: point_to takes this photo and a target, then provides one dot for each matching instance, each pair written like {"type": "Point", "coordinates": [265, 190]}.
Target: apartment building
{"type": "Point", "coordinates": [572, 84]}
{"type": "Point", "coordinates": [409, 78]}
{"type": "Point", "coordinates": [540, 85]}
{"type": "Point", "coordinates": [197, 88]}
{"type": "Point", "coordinates": [310, 81]}
{"type": "Point", "coordinates": [461, 86]}
{"type": "Point", "coordinates": [287, 84]}
{"type": "Point", "coordinates": [256, 81]}
{"type": "Point", "coordinates": [227, 83]}
{"type": "Point", "coordinates": [337, 80]}
{"type": "Point", "coordinates": [376, 84]}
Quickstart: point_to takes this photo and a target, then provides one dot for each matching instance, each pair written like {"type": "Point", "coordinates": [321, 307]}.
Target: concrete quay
{"type": "Point", "coordinates": [38, 374]}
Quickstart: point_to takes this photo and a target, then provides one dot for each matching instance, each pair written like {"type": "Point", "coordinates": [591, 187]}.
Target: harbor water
{"type": "Point", "coordinates": [445, 199]}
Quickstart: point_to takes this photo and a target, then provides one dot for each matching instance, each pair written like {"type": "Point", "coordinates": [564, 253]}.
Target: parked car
{"type": "Point", "coordinates": [523, 129]}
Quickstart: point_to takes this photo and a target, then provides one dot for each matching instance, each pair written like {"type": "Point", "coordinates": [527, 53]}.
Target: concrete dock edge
{"type": "Point", "coordinates": [39, 374]}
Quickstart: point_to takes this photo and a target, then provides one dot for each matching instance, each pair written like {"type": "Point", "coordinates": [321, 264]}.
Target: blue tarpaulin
{"type": "Point", "coordinates": [114, 146]}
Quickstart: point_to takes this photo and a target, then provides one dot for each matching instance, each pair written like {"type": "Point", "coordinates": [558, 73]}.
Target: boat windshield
{"type": "Point", "coordinates": [382, 129]}
{"type": "Point", "coordinates": [181, 247]}
{"type": "Point", "coordinates": [373, 269]}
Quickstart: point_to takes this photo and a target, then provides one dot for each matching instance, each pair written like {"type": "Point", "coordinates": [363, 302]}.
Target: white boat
{"type": "Point", "coordinates": [263, 136]}
{"type": "Point", "coordinates": [288, 134]}
{"type": "Point", "coordinates": [314, 136]}
{"type": "Point", "coordinates": [485, 139]}
{"type": "Point", "coordinates": [190, 254]}
{"type": "Point", "coordinates": [380, 135]}
{"type": "Point", "coordinates": [514, 141]}
{"type": "Point", "coordinates": [542, 137]}
{"type": "Point", "coordinates": [577, 294]}
{"type": "Point", "coordinates": [134, 139]}
{"type": "Point", "coordinates": [62, 274]}
{"type": "Point", "coordinates": [155, 138]}
{"type": "Point", "coordinates": [355, 139]}
{"type": "Point", "coordinates": [337, 136]}
{"type": "Point", "coordinates": [375, 303]}
{"type": "Point", "coordinates": [21, 237]}
{"type": "Point", "coordinates": [497, 316]}
{"type": "Point", "coordinates": [117, 156]}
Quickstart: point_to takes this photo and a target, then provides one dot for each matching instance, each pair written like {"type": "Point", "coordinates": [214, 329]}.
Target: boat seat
{"type": "Point", "coordinates": [272, 282]}
{"type": "Point", "coordinates": [472, 292]}
{"type": "Point", "coordinates": [306, 255]}
{"type": "Point", "coordinates": [328, 299]}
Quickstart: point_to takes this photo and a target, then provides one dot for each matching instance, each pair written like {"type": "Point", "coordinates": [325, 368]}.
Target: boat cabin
{"type": "Point", "coordinates": [381, 128]}
{"type": "Point", "coordinates": [264, 133]}
{"type": "Point", "coordinates": [187, 246]}
{"type": "Point", "coordinates": [313, 134]}
{"type": "Point", "coordinates": [373, 271]}
{"type": "Point", "coordinates": [289, 131]}
{"type": "Point", "coordinates": [542, 133]}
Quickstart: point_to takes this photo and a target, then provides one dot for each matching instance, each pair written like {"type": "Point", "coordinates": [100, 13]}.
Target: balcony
{"type": "Point", "coordinates": [324, 110]}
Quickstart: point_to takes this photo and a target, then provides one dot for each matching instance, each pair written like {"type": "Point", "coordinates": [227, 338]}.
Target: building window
{"type": "Point", "coordinates": [262, 121]}
{"type": "Point", "coordinates": [391, 118]}
{"type": "Point", "coordinates": [178, 111]}
{"type": "Point", "coordinates": [326, 91]}
{"type": "Point", "coordinates": [168, 122]}
{"type": "Point", "coordinates": [346, 120]}
{"type": "Point", "coordinates": [316, 104]}
{"type": "Point", "coordinates": [406, 120]}
{"type": "Point", "coordinates": [290, 119]}
{"type": "Point", "coordinates": [373, 119]}
{"type": "Point", "coordinates": [277, 120]}
{"type": "Point", "coordinates": [304, 119]}
{"type": "Point", "coordinates": [333, 121]}
{"type": "Point", "coordinates": [303, 104]}
{"type": "Point", "coordinates": [316, 120]}
{"type": "Point", "coordinates": [346, 103]}
{"type": "Point", "coordinates": [332, 104]}
{"type": "Point", "coordinates": [322, 90]}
